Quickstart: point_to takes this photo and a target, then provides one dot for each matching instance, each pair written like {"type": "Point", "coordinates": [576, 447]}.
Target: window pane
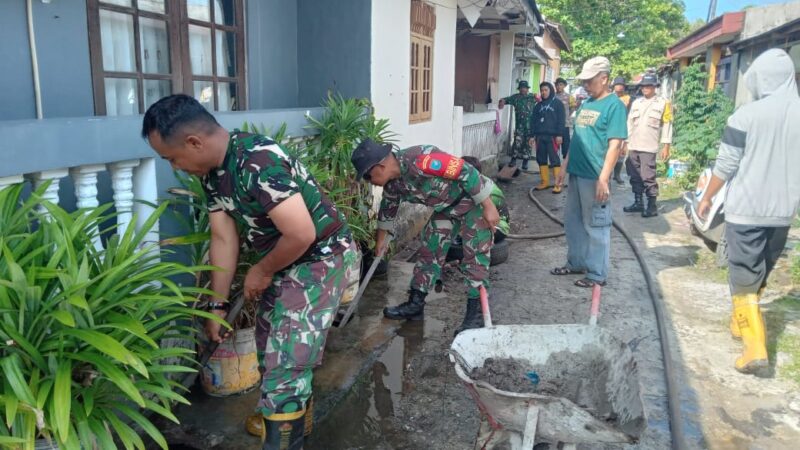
{"type": "Point", "coordinates": [224, 12]}
{"type": "Point", "coordinates": [199, 9]}
{"type": "Point", "coordinates": [154, 90]}
{"type": "Point", "coordinates": [154, 45]}
{"type": "Point", "coordinates": [226, 58]}
{"type": "Point", "coordinates": [121, 97]}
{"type": "Point", "coordinates": [228, 99]}
{"type": "Point", "coordinates": [116, 36]}
{"type": "Point", "coordinates": [200, 49]}
{"type": "Point", "coordinates": [118, 2]}
{"type": "Point", "coordinates": [156, 6]}
{"type": "Point", "coordinates": [204, 93]}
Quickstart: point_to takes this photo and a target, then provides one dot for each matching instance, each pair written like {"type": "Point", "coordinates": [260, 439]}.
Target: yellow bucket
{"type": "Point", "coordinates": [233, 368]}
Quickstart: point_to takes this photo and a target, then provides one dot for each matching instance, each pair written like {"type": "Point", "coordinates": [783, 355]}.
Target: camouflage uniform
{"type": "Point", "coordinates": [454, 190]}
{"type": "Point", "coordinates": [297, 309]}
{"type": "Point", "coordinates": [523, 109]}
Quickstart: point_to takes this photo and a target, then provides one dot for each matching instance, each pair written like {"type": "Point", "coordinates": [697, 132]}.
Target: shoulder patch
{"type": "Point", "coordinates": [440, 165]}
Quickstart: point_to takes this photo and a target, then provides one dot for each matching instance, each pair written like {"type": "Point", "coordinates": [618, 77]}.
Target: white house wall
{"type": "Point", "coordinates": [391, 44]}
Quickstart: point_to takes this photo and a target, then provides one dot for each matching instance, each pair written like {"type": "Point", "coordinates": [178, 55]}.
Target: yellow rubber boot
{"type": "Point", "coordinates": [255, 424]}
{"type": "Point", "coordinates": [544, 173]}
{"type": "Point", "coordinates": [754, 338]}
{"type": "Point", "coordinates": [735, 332]}
{"type": "Point", "coordinates": [556, 172]}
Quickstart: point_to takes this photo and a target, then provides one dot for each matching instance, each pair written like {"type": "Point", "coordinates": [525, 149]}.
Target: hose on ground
{"type": "Point", "coordinates": [535, 237]}
{"type": "Point", "coordinates": [673, 399]}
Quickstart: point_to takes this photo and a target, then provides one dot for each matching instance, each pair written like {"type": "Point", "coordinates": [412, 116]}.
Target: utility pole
{"type": "Point", "coordinates": [712, 10]}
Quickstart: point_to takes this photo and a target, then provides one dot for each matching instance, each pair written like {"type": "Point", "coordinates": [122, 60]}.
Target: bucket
{"type": "Point", "coordinates": [677, 168]}
{"type": "Point", "coordinates": [233, 368]}
{"type": "Point", "coordinates": [352, 276]}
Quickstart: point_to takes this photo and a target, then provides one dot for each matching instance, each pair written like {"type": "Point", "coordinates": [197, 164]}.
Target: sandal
{"type": "Point", "coordinates": [566, 271]}
{"type": "Point", "coordinates": [588, 283]}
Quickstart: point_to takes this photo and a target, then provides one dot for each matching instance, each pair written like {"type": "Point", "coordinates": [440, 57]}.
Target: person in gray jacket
{"type": "Point", "coordinates": [759, 158]}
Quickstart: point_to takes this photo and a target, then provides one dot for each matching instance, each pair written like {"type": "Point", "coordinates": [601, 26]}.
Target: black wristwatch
{"type": "Point", "coordinates": [218, 306]}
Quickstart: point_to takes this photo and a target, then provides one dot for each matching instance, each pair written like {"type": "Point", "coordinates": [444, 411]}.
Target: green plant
{"type": "Point", "coordinates": [80, 327]}
{"type": "Point", "coordinates": [700, 117]}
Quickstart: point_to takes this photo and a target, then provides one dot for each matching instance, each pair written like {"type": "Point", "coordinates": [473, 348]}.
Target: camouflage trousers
{"type": "Point", "coordinates": [436, 237]}
{"type": "Point", "coordinates": [294, 316]}
{"type": "Point", "coordinates": [520, 148]}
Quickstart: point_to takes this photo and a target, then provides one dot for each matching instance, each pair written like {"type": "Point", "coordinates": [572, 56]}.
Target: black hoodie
{"type": "Point", "coordinates": [548, 115]}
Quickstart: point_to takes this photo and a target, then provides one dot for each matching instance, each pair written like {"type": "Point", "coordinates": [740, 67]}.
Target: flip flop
{"type": "Point", "coordinates": [588, 283]}
{"type": "Point", "coordinates": [566, 271]}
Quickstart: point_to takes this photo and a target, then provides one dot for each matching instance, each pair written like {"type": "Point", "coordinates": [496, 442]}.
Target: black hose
{"type": "Point", "coordinates": [673, 399]}
{"type": "Point", "coordinates": [535, 237]}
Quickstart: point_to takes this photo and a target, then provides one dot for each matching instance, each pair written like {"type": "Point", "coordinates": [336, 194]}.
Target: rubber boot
{"type": "Point", "coordinates": [652, 208]}
{"type": "Point", "coordinates": [413, 309]}
{"type": "Point", "coordinates": [556, 172]}
{"type": "Point", "coordinates": [473, 318]}
{"type": "Point", "coordinates": [544, 173]}
{"type": "Point", "coordinates": [524, 165]}
{"type": "Point", "coordinates": [285, 431]}
{"type": "Point", "coordinates": [637, 205]}
{"type": "Point", "coordinates": [513, 162]}
{"type": "Point", "coordinates": [255, 424]}
{"type": "Point", "coordinates": [748, 317]}
{"type": "Point", "coordinates": [617, 172]}
{"type": "Point", "coordinates": [735, 332]}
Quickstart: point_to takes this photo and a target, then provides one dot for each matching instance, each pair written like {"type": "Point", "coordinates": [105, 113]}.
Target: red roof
{"type": "Point", "coordinates": [722, 30]}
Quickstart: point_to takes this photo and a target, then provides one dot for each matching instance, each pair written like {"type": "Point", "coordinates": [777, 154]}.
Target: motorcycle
{"type": "Point", "coordinates": [712, 229]}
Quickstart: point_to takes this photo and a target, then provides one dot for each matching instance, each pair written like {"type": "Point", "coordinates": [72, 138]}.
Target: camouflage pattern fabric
{"type": "Point", "coordinates": [523, 110]}
{"type": "Point", "coordinates": [255, 177]}
{"type": "Point", "coordinates": [455, 198]}
{"type": "Point", "coordinates": [499, 200]}
{"type": "Point", "coordinates": [477, 239]}
{"type": "Point", "coordinates": [294, 316]}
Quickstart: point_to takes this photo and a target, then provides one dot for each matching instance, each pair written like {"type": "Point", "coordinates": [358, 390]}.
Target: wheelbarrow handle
{"type": "Point", "coordinates": [595, 311]}
{"type": "Point", "coordinates": [487, 315]}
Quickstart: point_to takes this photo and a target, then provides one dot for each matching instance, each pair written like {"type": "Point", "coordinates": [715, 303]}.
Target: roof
{"type": "Point", "coordinates": [786, 28]}
{"type": "Point", "coordinates": [722, 30]}
{"type": "Point", "coordinates": [559, 35]}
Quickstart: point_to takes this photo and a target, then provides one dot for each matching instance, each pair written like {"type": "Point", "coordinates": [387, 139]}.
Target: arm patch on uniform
{"type": "Point", "coordinates": [440, 165]}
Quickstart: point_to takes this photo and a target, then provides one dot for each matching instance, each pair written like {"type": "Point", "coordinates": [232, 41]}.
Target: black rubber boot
{"type": "Point", "coordinates": [285, 434]}
{"type": "Point", "coordinates": [473, 318]}
{"type": "Point", "coordinates": [413, 309]}
{"type": "Point", "coordinates": [617, 173]}
{"type": "Point", "coordinates": [513, 162]}
{"type": "Point", "coordinates": [637, 206]}
{"type": "Point", "coordinates": [524, 165]}
{"type": "Point", "coordinates": [652, 208]}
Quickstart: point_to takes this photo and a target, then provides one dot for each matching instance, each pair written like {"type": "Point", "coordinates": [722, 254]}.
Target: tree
{"type": "Point", "coordinates": [632, 34]}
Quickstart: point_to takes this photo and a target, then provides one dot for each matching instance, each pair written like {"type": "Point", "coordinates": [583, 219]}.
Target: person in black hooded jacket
{"type": "Point", "coordinates": [547, 125]}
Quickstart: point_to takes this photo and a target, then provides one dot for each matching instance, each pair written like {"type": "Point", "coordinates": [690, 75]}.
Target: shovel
{"type": "Point", "coordinates": [363, 286]}
{"type": "Point", "coordinates": [212, 346]}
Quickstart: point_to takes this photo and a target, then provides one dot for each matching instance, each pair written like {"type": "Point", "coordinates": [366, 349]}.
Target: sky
{"type": "Point", "coordinates": [698, 9]}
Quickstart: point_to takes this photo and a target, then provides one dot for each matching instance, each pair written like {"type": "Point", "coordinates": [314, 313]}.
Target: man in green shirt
{"type": "Point", "coordinates": [600, 129]}
{"type": "Point", "coordinates": [523, 103]}
{"type": "Point", "coordinates": [304, 243]}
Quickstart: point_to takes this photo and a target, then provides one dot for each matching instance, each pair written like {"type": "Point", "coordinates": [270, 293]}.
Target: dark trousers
{"type": "Point", "coordinates": [547, 151]}
{"type": "Point", "coordinates": [752, 254]}
{"type": "Point", "coordinates": [565, 142]}
{"type": "Point", "coordinates": [641, 168]}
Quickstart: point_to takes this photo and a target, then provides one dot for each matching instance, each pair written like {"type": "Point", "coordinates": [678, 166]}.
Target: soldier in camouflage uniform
{"type": "Point", "coordinates": [305, 246]}
{"type": "Point", "coordinates": [461, 200]}
{"type": "Point", "coordinates": [523, 103]}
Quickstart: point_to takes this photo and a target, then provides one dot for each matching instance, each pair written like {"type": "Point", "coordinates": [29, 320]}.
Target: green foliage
{"type": "Point", "coordinates": [80, 328]}
{"type": "Point", "coordinates": [649, 27]}
{"type": "Point", "coordinates": [344, 124]}
{"type": "Point", "coordinates": [700, 117]}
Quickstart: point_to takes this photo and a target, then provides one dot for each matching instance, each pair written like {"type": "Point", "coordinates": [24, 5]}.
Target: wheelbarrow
{"type": "Point", "coordinates": [528, 418]}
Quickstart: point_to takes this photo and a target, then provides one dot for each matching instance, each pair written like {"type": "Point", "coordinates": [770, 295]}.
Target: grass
{"type": "Point", "coordinates": [668, 189]}
{"type": "Point", "coordinates": [782, 339]}
{"type": "Point", "coordinates": [706, 263]}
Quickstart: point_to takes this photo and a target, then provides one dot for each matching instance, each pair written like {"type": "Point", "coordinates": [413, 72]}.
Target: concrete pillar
{"type": "Point", "coordinates": [458, 131]}
{"type": "Point", "coordinates": [506, 81]}
{"type": "Point", "coordinates": [712, 61]}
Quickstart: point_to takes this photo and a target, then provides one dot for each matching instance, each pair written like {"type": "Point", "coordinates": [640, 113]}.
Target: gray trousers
{"type": "Point", "coordinates": [641, 168]}
{"type": "Point", "coordinates": [588, 246]}
{"type": "Point", "coordinates": [752, 254]}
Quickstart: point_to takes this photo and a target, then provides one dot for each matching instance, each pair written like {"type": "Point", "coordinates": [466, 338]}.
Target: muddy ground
{"type": "Point", "coordinates": [390, 385]}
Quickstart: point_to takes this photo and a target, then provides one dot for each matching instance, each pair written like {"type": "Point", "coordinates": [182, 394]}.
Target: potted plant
{"type": "Point", "coordinates": [81, 327]}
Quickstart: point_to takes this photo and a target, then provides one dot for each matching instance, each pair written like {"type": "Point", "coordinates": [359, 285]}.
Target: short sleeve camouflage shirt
{"type": "Point", "coordinates": [255, 177]}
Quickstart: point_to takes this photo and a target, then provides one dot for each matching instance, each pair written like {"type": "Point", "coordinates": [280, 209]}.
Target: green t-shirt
{"type": "Point", "coordinates": [596, 122]}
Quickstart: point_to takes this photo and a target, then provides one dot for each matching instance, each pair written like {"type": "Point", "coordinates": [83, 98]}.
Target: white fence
{"type": "Point", "coordinates": [478, 138]}
{"type": "Point", "coordinates": [130, 179]}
